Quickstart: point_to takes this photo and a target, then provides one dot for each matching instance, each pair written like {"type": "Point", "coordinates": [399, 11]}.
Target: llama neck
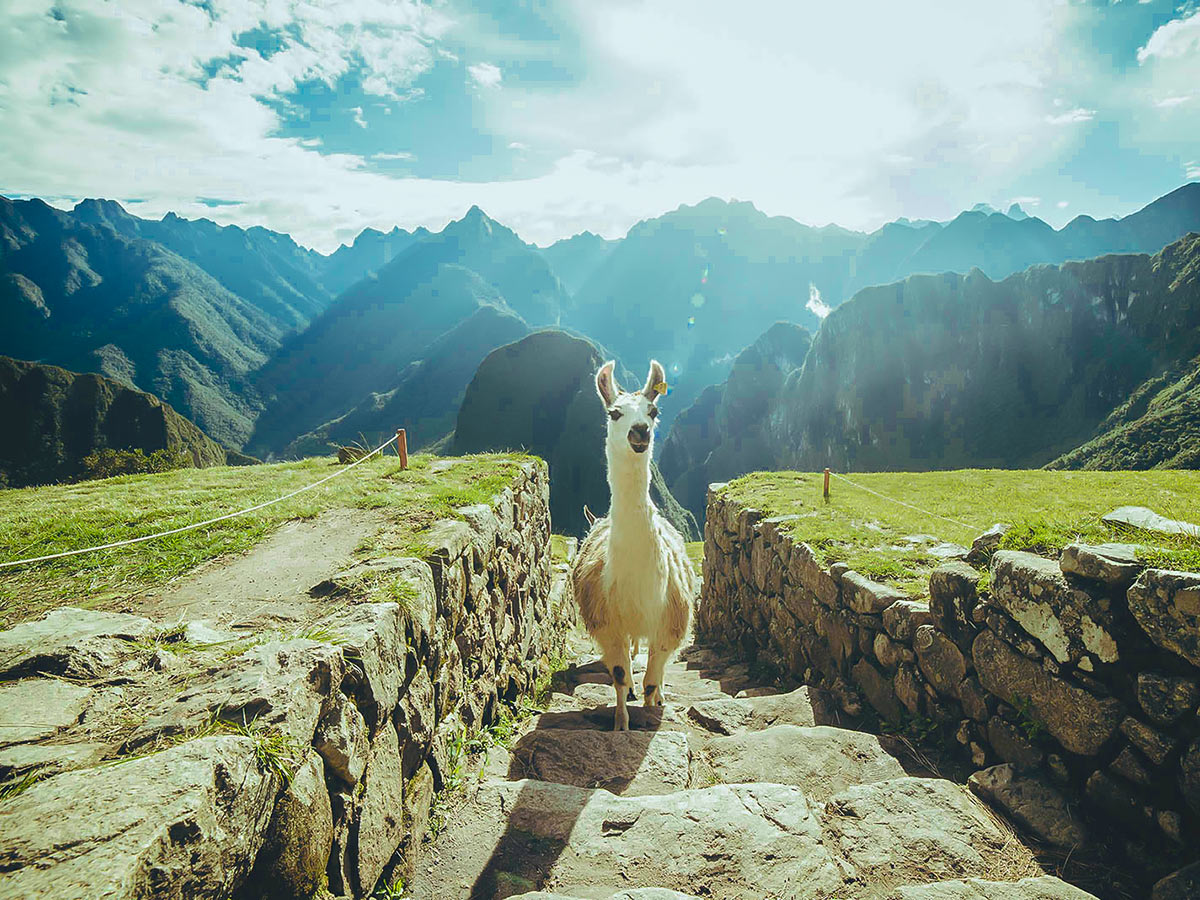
{"type": "Point", "coordinates": [629, 482]}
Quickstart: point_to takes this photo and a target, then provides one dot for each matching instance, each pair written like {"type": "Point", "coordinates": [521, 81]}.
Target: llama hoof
{"type": "Point", "coordinates": [621, 723]}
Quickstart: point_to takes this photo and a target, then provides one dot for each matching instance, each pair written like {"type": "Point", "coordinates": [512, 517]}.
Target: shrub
{"type": "Point", "coordinates": [106, 463]}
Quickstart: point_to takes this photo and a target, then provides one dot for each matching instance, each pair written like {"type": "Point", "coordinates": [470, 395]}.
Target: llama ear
{"type": "Point", "coordinates": [606, 383]}
{"type": "Point", "coordinates": [656, 382]}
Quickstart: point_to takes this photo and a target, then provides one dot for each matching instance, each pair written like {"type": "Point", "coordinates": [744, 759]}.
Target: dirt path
{"type": "Point", "coordinates": [730, 791]}
{"type": "Point", "coordinates": [269, 585]}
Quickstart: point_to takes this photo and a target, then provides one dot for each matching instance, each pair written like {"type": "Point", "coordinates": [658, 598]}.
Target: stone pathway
{"type": "Point", "coordinates": [730, 791]}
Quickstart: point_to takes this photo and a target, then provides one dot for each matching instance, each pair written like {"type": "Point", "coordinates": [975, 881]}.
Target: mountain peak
{"type": "Point", "coordinates": [1015, 212]}
{"type": "Point", "coordinates": [98, 211]}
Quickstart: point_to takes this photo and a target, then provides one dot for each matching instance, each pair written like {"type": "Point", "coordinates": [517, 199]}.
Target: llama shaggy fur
{"type": "Point", "coordinates": [633, 580]}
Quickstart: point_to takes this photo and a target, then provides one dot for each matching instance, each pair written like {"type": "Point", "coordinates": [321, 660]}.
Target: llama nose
{"type": "Point", "coordinates": [639, 437]}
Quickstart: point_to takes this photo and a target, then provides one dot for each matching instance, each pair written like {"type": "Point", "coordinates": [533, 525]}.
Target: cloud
{"type": "Point", "coordinates": [794, 106]}
{"type": "Point", "coordinates": [1177, 38]}
{"type": "Point", "coordinates": [400, 155]}
{"type": "Point", "coordinates": [1168, 102]}
{"type": "Point", "coordinates": [815, 304]}
{"type": "Point", "coordinates": [1027, 201]}
{"type": "Point", "coordinates": [1063, 204]}
{"type": "Point", "coordinates": [1070, 117]}
{"type": "Point", "coordinates": [485, 75]}
{"type": "Point", "coordinates": [359, 119]}
{"type": "Point", "coordinates": [1193, 170]}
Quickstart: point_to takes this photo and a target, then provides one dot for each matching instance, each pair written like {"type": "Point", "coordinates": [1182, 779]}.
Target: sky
{"type": "Point", "coordinates": [321, 119]}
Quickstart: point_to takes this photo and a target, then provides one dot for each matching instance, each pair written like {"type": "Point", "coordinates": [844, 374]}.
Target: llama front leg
{"type": "Point", "coordinates": [652, 686]}
{"type": "Point", "coordinates": [619, 663]}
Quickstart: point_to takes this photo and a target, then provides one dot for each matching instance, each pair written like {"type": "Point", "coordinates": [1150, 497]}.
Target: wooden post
{"type": "Point", "coordinates": [826, 485]}
{"type": "Point", "coordinates": [402, 447]}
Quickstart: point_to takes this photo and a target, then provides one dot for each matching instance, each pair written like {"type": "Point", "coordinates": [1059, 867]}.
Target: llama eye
{"type": "Point", "coordinates": [653, 412]}
{"type": "Point", "coordinates": [614, 414]}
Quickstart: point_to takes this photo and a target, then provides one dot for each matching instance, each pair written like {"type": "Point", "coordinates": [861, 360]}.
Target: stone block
{"type": "Point", "coordinates": [1078, 720]}
{"type": "Point", "coordinates": [863, 595]}
{"type": "Point", "coordinates": [878, 690]}
{"type": "Point", "coordinates": [983, 546]}
{"type": "Point", "coordinates": [1032, 801]}
{"type": "Point", "coordinates": [1166, 605]}
{"type": "Point", "coordinates": [380, 825]}
{"type": "Point", "coordinates": [1115, 565]}
{"type": "Point", "coordinates": [941, 662]}
{"type": "Point", "coordinates": [81, 643]}
{"type": "Point", "coordinates": [1068, 621]}
{"type": "Point", "coordinates": [1153, 743]}
{"type": "Point", "coordinates": [1011, 745]}
{"type": "Point", "coordinates": [953, 594]}
{"type": "Point", "coordinates": [902, 619]}
{"type": "Point", "coordinates": [1166, 698]}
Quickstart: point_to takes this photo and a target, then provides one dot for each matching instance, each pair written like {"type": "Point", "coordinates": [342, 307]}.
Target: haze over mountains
{"type": "Point", "coordinates": [276, 349]}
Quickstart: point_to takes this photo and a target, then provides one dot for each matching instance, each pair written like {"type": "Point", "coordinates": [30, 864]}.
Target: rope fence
{"type": "Point", "coordinates": [399, 436]}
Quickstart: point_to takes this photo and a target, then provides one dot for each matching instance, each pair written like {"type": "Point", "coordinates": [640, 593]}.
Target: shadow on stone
{"type": "Point", "coordinates": [581, 749]}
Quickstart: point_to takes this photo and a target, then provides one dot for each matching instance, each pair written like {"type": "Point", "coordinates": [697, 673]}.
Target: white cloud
{"type": "Point", "coordinates": [359, 118]}
{"type": "Point", "coordinates": [1070, 117]}
{"type": "Point", "coordinates": [815, 304]}
{"type": "Point", "coordinates": [1027, 201]}
{"type": "Point", "coordinates": [794, 106]}
{"type": "Point", "coordinates": [401, 155]}
{"type": "Point", "coordinates": [1179, 37]}
{"type": "Point", "coordinates": [485, 75]}
{"type": "Point", "coordinates": [1193, 170]}
{"type": "Point", "coordinates": [1063, 204]}
{"type": "Point", "coordinates": [1168, 102]}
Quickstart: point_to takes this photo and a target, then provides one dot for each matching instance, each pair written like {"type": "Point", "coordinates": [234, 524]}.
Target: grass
{"type": "Point", "coordinates": [44, 520]}
{"type": "Point", "coordinates": [558, 548]}
{"type": "Point", "coordinates": [1047, 509]}
{"type": "Point", "coordinates": [695, 552]}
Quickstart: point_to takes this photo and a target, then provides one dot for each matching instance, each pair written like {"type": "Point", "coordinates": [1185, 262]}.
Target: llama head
{"type": "Point", "coordinates": [631, 416]}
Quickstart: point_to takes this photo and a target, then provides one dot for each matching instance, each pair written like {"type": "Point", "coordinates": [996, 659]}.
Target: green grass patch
{"type": "Point", "coordinates": [1047, 509]}
{"type": "Point", "coordinates": [558, 548]}
{"type": "Point", "coordinates": [695, 552]}
{"type": "Point", "coordinates": [45, 520]}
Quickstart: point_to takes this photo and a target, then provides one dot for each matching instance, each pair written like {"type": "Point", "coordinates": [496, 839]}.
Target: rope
{"type": "Point", "coordinates": [971, 528]}
{"type": "Point", "coordinates": [194, 526]}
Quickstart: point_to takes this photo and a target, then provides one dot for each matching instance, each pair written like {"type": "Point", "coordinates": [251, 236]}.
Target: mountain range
{"type": "Point", "coordinates": [1091, 364]}
{"type": "Point", "coordinates": [279, 350]}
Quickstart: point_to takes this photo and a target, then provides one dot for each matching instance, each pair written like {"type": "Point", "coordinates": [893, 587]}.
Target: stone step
{"type": "Point", "coordinates": [181, 824]}
{"type": "Point", "coordinates": [631, 763]}
{"type": "Point", "coordinates": [730, 715]}
{"type": "Point", "coordinates": [1044, 887]}
{"type": "Point", "coordinates": [723, 841]}
{"type": "Point", "coordinates": [650, 893]}
{"type": "Point", "coordinates": [821, 760]}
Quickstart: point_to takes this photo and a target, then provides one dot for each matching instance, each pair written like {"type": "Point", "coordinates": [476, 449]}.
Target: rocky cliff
{"type": "Point", "coordinates": [55, 418]}
{"type": "Point", "coordinates": [726, 432]}
{"type": "Point", "coordinates": [539, 394]}
{"type": "Point", "coordinates": [946, 371]}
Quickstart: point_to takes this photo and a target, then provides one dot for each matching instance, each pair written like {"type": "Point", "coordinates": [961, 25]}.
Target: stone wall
{"type": "Point", "coordinates": [1071, 684]}
{"type": "Point", "coordinates": [353, 724]}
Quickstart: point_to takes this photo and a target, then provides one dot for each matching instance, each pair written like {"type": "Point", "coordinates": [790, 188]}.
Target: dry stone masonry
{"type": "Point", "coordinates": [280, 767]}
{"type": "Point", "coordinates": [1072, 685]}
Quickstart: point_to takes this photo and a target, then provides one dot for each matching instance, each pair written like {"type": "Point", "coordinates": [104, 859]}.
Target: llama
{"type": "Point", "coordinates": [632, 576]}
